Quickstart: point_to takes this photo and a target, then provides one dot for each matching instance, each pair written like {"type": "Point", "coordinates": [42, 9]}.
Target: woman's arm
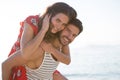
{"type": "Point", "coordinates": [62, 56]}
{"type": "Point", "coordinates": [14, 60]}
{"type": "Point", "coordinates": [19, 57]}
{"type": "Point", "coordinates": [57, 75]}
{"type": "Point", "coordinates": [28, 45]}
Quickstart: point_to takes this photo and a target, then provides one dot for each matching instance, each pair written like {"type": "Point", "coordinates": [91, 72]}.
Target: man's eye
{"type": "Point", "coordinates": [74, 35]}
{"type": "Point", "coordinates": [68, 30]}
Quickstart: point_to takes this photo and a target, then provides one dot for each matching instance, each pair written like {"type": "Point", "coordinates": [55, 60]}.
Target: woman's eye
{"type": "Point", "coordinates": [57, 20]}
{"type": "Point", "coordinates": [64, 25]}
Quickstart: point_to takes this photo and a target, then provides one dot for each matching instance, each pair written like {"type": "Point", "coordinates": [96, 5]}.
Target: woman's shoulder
{"type": "Point", "coordinates": [32, 19]}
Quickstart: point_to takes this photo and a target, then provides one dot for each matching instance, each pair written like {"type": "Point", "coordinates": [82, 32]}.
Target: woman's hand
{"type": "Point", "coordinates": [47, 47]}
{"type": "Point", "coordinates": [46, 23]}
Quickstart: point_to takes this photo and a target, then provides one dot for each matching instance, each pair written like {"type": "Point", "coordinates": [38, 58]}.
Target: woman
{"type": "Point", "coordinates": [32, 32]}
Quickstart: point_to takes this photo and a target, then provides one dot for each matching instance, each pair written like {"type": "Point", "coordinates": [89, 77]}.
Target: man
{"type": "Point", "coordinates": [64, 38]}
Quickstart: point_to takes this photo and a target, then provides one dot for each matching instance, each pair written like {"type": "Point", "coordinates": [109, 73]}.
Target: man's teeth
{"type": "Point", "coordinates": [66, 39]}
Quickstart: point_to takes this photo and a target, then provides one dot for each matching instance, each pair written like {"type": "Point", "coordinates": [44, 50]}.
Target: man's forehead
{"type": "Point", "coordinates": [73, 28]}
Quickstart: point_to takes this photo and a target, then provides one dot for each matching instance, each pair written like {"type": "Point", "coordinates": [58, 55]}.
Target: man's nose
{"type": "Point", "coordinates": [70, 37]}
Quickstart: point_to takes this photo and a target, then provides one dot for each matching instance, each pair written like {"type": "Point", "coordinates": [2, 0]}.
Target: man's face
{"type": "Point", "coordinates": [58, 22]}
{"type": "Point", "coordinates": [68, 34]}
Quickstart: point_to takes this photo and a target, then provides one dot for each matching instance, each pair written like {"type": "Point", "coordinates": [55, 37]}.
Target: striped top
{"type": "Point", "coordinates": [45, 71]}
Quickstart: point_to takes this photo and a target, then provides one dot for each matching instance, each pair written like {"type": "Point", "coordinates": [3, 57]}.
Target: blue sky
{"type": "Point", "coordinates": [101, 20]}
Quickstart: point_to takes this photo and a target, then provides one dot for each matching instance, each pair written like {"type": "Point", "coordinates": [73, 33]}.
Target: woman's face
{"type": "Point", "coordinates": [58, 22]}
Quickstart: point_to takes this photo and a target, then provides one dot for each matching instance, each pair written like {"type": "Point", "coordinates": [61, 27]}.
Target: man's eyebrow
{"type": "Point", "coordinates": [68, 29]}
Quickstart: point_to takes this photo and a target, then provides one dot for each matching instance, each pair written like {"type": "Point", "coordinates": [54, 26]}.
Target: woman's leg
{"type": "Point", "coordinates": [58, 76]}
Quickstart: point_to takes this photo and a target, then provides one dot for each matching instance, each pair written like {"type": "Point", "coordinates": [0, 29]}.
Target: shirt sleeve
{"type": "Point", "coordinates": [33, 22]}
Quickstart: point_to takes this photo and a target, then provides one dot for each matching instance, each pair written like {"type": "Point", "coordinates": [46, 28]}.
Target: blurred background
{"type": "Point", "coordinates": [95, 52]}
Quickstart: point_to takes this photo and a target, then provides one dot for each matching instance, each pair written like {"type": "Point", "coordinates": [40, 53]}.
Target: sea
{"type": "Point", "coordinates": [93, 62]}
